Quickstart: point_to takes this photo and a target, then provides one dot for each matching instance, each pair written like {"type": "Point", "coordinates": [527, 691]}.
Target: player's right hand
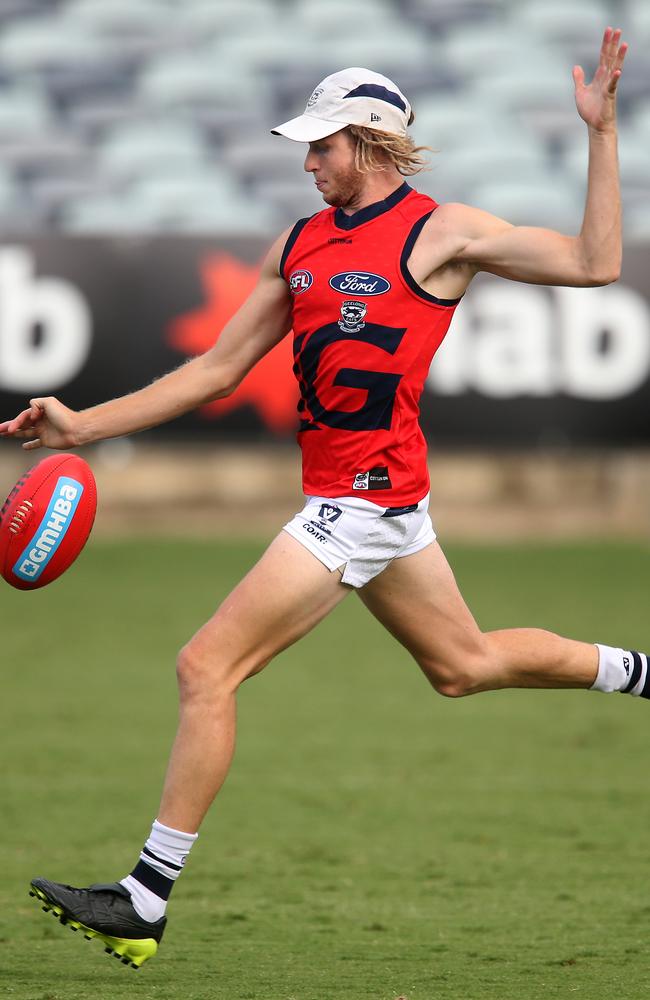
{"type": "Point", "coordinates": [46, 424]}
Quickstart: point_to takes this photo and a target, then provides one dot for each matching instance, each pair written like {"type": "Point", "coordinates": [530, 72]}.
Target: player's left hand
{"type": "Point", "coordinates": [596, 102]}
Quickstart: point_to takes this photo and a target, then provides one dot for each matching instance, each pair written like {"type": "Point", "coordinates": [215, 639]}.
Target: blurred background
{"type": "Point", "coordinates": [140, 188]}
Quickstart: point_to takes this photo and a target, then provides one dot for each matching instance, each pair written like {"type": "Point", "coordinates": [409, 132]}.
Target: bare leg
{"type": "Point", "coordinates": [284, 596]}
{"type": "Point", "coordinates": [419, 602]}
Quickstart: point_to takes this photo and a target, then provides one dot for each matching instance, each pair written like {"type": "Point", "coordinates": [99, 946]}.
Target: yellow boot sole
{"type": "Point", "coordinates": [130, 951]}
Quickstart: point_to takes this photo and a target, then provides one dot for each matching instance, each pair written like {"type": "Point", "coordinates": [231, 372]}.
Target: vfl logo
{"type": "Point", "coordinates": [328, 516]}
{"type": "Point", "coordinates": [353, 314]}
{"type": "Point", "coordinates": [51, 530]}
{"type": "Point", "coordinates": [330, 513]}
{"type": "Point", "coordinates": [359, 283]}
{"type": "Point", "coordinates": [300, 281]}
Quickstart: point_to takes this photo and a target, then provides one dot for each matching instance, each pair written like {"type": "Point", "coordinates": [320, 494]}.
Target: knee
{"type": "Point", "coordinates": [460, 673]}
{"type": "Point", "coordinates": [202, 671]}
{"type": "Point", "coordinates": [451, 685]}
{"type": "Point", "coordinates": [199, 673]}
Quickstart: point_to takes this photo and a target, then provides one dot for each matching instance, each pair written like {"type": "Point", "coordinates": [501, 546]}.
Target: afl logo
{"type": "Point", "coordinates": [300, 281]}
{"type": "Point", "coordinates": [359, 283]}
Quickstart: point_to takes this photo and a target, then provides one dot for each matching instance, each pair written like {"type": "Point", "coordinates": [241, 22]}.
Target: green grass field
{"type": "Point", "coordinates": [374, 840]}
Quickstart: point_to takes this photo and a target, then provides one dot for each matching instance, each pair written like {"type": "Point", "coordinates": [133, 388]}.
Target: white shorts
{"type": "Point", "coordinates": [361, 537]}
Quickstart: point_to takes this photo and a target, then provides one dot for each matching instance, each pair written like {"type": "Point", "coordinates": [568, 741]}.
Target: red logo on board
{"type": "Point", "coordinates": [270, 387]}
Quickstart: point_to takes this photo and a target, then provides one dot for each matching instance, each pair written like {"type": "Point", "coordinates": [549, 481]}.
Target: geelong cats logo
{"type": "Point", "coordinates": [352, 316]}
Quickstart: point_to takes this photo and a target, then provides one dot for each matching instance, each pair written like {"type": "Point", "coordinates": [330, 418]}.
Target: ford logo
{"type": "Point", "coordinates": [359, 283]}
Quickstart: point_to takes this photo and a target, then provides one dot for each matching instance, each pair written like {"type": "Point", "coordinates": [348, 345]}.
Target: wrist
{"type": "Point", "coordinates": [608, 131]}
{"type": "Point", "coordinates": [84, 432]}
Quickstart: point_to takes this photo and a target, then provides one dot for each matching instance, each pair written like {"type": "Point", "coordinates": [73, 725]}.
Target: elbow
{"type": "Point", "coordinates": [219, 382]}
{"type": "Point", "coordinates": [613, 274]}
{"type": "Point", "coordinates": [602, 269]}
{"type": "Point", "coordinates": [231, 379]}
{"type": "Point", "coordinates": [602, 276]}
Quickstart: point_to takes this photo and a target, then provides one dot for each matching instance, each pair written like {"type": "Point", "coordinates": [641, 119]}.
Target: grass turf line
{"type": "Point", "coordinates": [373, 840]}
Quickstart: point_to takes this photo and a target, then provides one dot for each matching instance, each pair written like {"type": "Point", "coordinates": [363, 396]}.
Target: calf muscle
{"type": "Point", "coordinates": [417, 599]}
{"type": "Point", "coordinates": [282, 598]}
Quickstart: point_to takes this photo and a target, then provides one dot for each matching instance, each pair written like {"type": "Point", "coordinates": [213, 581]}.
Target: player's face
{"type": "Point", "coordinates": [331, 161]}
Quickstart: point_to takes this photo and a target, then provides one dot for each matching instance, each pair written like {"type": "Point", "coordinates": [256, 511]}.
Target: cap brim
{"type": "Point", "coordinates": [306, 128]}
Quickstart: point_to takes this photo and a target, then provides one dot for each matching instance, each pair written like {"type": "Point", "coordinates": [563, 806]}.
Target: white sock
{"type": "Point", "coordinates": [145, 902]}
{"type": "Point", "coordinates": [161, 862]}
{"type": "Point", "coordinates": [622, 670]}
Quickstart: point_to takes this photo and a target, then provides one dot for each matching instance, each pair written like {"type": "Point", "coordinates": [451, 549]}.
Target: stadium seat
{"type": "Point", "coordinates": [223, 125]}
{"type": "Point", "coordinates": [8, 189]}
{"type": "Point", "coordinates": [534, 202]}
{"type": "Point", "coordinates": [198, 79]}
{"type": "Point", "coordinates": [382, 53]}
{"type": "Point", "coordinates": [11, 9]}
{"type": "Point", "coordinates": [507, 161]}
{"type": "Point", "coordinates": [21, 219]}
{"type": "Point", "coordinates": [37, 154]}
{"type": "Point", "coordinates": [51, 194]}
{"type": "Point", "coordinates": [482, 48]}
{"type": "Point", "coordinates": [439, 182]}
{"type": "Point", "coordinates": [562, 22]}
{"type": "Point", "coordinates": [547, 111]}
{"type": "Point", "coordinates": [636, 222]}
{"type": "Point", "coordinates": [281, 43]}
{"type": "Point", "coordinates": [31, 46]}
{"type": "Point", "coordinates": [110, 215]}
{"type": "Point", "coordinates": [135, 148]}
{"type": "Point", "coordinates": [325, 19]}
{"type": "Point", "coordinates": [444, 14]}
{"type": "Point", "coordinates": [138, 29]}
{"type": "Point", "coordinates": [93, 117]}
{"type": "Point", "coordinates": [233, 218]}
{"type": "Point", "coordinates": [453, 121]}
{"type": "Point", "coordinates": [518, 88]}
{"type": "Point", "coordinates": [213, 183]}
{"type": "Point", "coordinates": [263, 157]}
{"type": "Point", "coordinates": [634, 161]}
{"type": "Point", "coordinates": [291, 199]}
{"type": "Point", "coordinates": [23, 110]}
{"type": "Point", "coordinates": [638, 13]}
{"type": "Point", "coordinates": [129, 214]}
{"type": "Point", "coordinates": [204, 19]}
{"type": "Point", "coordinates": [422, 81]}
{"type": "Point", "coordinates": [639, 122]}
{"type": "Point", "coordinates": [119, 18]}
{"type": "Point", "coordinates": [95, 93]}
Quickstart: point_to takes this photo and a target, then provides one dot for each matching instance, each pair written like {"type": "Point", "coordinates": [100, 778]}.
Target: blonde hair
{"type": "Point", "coordinates": [373, 148]}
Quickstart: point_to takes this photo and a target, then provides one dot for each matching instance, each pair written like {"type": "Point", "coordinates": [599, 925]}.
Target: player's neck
{"type": "Point", "coordinates": [378, 187]}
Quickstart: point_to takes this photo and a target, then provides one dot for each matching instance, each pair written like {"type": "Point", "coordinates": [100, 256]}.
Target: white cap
{"type": "Point", "coordinates": [353, 96]}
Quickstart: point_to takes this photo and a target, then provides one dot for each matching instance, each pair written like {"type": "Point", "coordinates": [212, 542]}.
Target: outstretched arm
{"type": "Point", "coordinates": [544, 256]}
{"type": "Point", "coordinates": [260, 323]}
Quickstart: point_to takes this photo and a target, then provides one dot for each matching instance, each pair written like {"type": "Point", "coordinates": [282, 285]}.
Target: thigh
{"type": "Point", "coordinates": [417, 599]}
{"type": "Point", "coordinates": [283, 596]}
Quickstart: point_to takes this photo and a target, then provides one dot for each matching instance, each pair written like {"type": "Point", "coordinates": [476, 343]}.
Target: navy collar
{"type": "Point", "coordinates": [343, 221]}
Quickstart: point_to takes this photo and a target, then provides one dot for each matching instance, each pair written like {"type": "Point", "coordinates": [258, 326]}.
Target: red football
{"type": "Point", "coordinates": [45, 521]}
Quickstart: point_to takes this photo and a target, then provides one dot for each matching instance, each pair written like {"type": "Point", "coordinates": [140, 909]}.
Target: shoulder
{"type": "Point", "coordinates": [291, 236]}
{"type": "Point", "coordinates": [271, 266]}
{"type": "Point", "coordinates": [437, 258]}
{"type": "Point", "coordinates": [454, 219]}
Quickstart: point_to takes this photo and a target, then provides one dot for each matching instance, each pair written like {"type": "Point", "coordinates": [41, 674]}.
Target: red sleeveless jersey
{"type": "Point", "coordinates": [364, 337]}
